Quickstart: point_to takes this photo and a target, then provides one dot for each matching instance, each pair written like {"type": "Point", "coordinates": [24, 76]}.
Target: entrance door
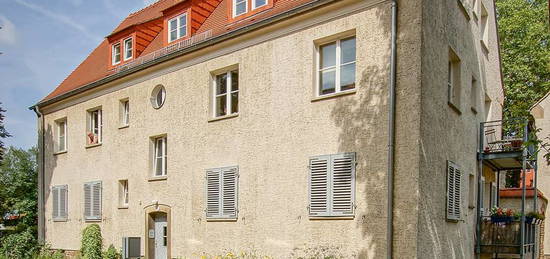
{"type": "Point", "coordinates": [161, 237]}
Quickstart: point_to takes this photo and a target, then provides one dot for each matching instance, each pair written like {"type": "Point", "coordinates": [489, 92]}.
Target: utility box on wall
{"type": "Point", "coordinates": [131, 247]}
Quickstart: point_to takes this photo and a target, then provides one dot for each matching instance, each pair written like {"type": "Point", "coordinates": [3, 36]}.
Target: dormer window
{"type": "Point", "coordinates": [116, 53]}
{"type": "Point", "coordinates": [177, 27]}
{"type": "Point", "coordinates": [258, 3]}
{"type": "Point", "coordinates": [128, 49]}
{"type": "Point", "coordinates": [240, 7]}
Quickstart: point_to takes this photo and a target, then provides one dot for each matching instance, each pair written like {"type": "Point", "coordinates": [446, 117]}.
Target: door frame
{"type": "Point", "coordinates": [150, 212]}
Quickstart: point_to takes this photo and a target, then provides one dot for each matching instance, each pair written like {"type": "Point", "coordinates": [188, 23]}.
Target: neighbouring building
{"type": "Point", "coordinates": [539, 112]}
{"type": "Point", "coordinates": [283, 127]}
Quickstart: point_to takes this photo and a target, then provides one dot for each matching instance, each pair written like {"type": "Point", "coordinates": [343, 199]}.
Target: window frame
{"type": "Point", "coordinates": [221, 171]}
{"type": "Point", "coordinates": [451, 202]}
{"type": "Point", "coordinates": [178, 27]}
{"type": "Point", "coordinates": [93, 217]}
{"type": "Point", "coordinates": [234, 7]}
{"type": "Point", "coordinates": [124, 118]}
{"type": "Point", "coordinates": [484, 26]}
{"type": "Point", "coordinates": [114, 54]}
{"type": "Point", "coordinates": [90, 128]}
{"type": "Point", "coordinates": [124, 199]}
{"type": "Point", "coordinates": [228, 93]}
{"type": "Point", "coordinates": [337, 66]}
{"type": "Point", "coordinates": [131, 39]}
{"type": "Point", "coordinates": [58, 124]}
{"type": "Point", "coordinates": [254, 7]}
{"type": "Point", "coordinates": [454, 81]}
{"type": "Point", "coordinates": [163, 157]}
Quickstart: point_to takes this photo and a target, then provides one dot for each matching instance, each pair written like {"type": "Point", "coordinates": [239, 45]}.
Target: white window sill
{"type": "Point", "coordinates": [221, 219]}
{"type": "Point", "coordinates": [124, 126]}
{"type": "Point", "coordinates": [157, 178]}
{"type": "Point", "coordinates": [123, 207]}
{"type": "Point", "coordinates": [92, 220]}
{"type": "Point", "coordinates": [60, 152]}
{"type": "Point", "coordinates": [59, 220]}
{"type": "Point", "coordinates": [334, 95]}
{"type": "Point", "coordinates": [332, 218]}
{"type": "Point", "coordinates": [93, 145]}
{"type": "Point", "coordinates": [234, 115]}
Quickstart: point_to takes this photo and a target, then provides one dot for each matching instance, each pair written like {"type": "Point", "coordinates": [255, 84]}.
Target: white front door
{"type": "Point", "coordinates": [161, 237]}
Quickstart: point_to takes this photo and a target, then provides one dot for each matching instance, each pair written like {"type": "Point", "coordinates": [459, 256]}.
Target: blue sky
{"type": "Point", "coordinates": [41, 43]}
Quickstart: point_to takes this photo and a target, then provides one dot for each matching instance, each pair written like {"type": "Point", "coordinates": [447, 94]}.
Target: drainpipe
{"type": "Point", "coordinates": [391, 128]}
{"type": "Point", "coordinates": [41, 179]}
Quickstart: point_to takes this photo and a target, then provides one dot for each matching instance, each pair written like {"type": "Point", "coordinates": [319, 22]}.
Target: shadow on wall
{"type": "Point", "coordinates": [363, 123]}
{"type": "Point", "coordinates": [50, 163]}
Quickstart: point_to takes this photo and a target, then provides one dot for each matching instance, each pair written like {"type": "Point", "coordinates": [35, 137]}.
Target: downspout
{"type": "Point", "coordinates": [391, 128]}
{"type": "Point", "coordinates": [41, 179]}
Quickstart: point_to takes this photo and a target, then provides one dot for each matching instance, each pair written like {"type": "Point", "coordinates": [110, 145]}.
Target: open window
{"type": "Point", "coordinates": [123, 198]}
{"type": "Point", "coordinates": [94, 134]}
{"type": "Point", "coordinates": [61, 133]}
{"type": "Point", "coordinates": [159, 156]}
{"type": "Point", "coordinates": [454, 86]}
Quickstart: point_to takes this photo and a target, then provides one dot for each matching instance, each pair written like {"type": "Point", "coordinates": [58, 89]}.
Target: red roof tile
{"type": "Point", "coordinates": [97, 65]}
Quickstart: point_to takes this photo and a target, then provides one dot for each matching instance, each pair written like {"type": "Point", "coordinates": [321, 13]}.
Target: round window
{"type": "Point", "coordinates": [158, 96]}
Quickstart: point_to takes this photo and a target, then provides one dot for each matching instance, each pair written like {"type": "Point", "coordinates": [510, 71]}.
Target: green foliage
{"type": "Point", "coordinates": [111, 253]}
{"type": "Point", "coordinates": [3, 132]}
{"type": "Point", "coordinates": [525, 53]}
{"type": "Point", "coordinates": [47, 253]}
{"type": "Point", "coordinates": [20, 245]}
{"type": "Point", "coordinates": [91, 242]}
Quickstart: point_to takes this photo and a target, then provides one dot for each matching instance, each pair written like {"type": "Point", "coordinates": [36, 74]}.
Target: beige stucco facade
{"type": "Point", "coordinates": [540, 113]}
{"type": "Point", "coordinates": [281, 125]}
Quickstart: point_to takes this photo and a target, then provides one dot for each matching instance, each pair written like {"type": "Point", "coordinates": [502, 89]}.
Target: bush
{"type": "Point", "coordinates": [111, 253]}
{"type": "Point", "coordinates": [91, 242]}
{"type": "Point", "coordinates": [18, 245]}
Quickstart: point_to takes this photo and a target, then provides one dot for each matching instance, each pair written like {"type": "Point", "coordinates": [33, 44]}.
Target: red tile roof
{"type": "Point", "coordinates": [97, 65]}
{"type": "Point", "coordinates": [516, 193]}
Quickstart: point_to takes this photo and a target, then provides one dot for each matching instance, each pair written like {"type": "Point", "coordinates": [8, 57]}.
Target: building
{"type": "Point", "coordinates": [285, 127]}
{"type": "Point", "coordinates": [538, 111]}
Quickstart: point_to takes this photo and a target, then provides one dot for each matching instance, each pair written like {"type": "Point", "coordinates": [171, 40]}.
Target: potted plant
{"type": "Point", "coordinates": [501, 215]}
{"type": "Point", "coordinates": [534, 218]}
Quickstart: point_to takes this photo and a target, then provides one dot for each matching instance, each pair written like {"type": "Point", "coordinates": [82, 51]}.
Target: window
{"type": "Point", "coordinates": [474, 95]}
{"type": "Point", "coordinates": [475, 8]}
{"type": "Point", "coordinates": [336, 66]}
{"type": "Point", "coordinates": [92, 201]}
{"type": "Point", "coordinates": [177, 27]}
{"type": "Point", "coordinates": [60, 203]}
{"type": "Point", "coordinates": [61, 135]}
{"type": "Point", "coordinates": [95, 127]}
{"type": "Point", "coordinates": [454, 195]}
{"type": "Point", "coordinates": [116, 53]}
{"type": "Point", "coordinates": [123, 193]}
{"type": "Point", "coordinates": [226, 94]}
{"type": "Point", "coordinates": [124, 112]}
{"type": "Point", "coordinates": [128, 49]}
{"type": "Point", "coordinates": [494, 195]}
{"type": "Point", "coordinates": [240, 7]}
{"type": "Point", "coordinates": [159, 158]}
{"type": "Point", "coordinates": [222, 193]}
{"type": "Point", "coordinates": [471, 191]}
{"type": "Point", "coordinates": [258, 3]}
{"type": "Point", "coordinates": [332, 185]}
{"type": "Point", "coordinates": [158, 96]}
{"type": "Point", "coordinates": [453, 81]}
{"type": "Point", "coordinates": [484, 27]}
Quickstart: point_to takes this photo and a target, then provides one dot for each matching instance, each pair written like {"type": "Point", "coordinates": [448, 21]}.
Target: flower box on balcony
{"type": "Point", "coordinates": [501, 219]}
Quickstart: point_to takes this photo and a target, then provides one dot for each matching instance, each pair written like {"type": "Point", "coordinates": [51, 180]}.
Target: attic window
{"type": "Point", "coordinates": [177, 27]}
{"type": "Point", "coordinates": [116, 53]}
{"type": "Point", "coordinates": [239, 7]}
{"type": "Point", "coordinates": [258, 3]}
{"type": "Point", "coordinates": [128, 49]}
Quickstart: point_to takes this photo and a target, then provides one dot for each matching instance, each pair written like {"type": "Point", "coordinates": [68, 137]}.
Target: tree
{"type": "Point", "coordinates": [3, 132]}
{"type": "Point", "coordinates": [525, 53]}
{"type": "Point", "coordinates": [18, 193]}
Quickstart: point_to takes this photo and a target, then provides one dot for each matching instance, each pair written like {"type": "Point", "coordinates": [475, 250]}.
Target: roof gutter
{"type": "Point", "coordinates": [238, 32]}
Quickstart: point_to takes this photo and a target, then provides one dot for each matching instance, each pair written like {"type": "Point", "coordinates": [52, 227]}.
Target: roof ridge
{"type": "Point", "coordinates": [144, 8]}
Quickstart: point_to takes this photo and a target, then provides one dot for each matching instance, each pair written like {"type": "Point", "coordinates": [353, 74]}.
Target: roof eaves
{"type": "Point", "coordinates": [225, 36]}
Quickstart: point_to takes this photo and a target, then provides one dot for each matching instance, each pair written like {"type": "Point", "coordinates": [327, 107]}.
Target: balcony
{"type": "Point", "coordinates": [505, 238]}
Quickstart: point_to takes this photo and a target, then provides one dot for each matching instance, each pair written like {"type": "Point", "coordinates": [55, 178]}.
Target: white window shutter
{"type": "Point", "coordinates": [319, 168]}
{"type": "Point", "coordinates": [63, 202]}
{"type": "Point", "coordinates": [96, 206]}
{"type": "Point", "coordinates": [454, 182]}
{"type": "Point", "coordinates": [213, 193]}
{"type": "Point", "coordinates": [87, 200]}
{"type": "Point", "coordinates": [342, 184]}
{"type": "Point", "coordinates": [229, 197]}
{"type": "Point", "coordinates": [55, 199]}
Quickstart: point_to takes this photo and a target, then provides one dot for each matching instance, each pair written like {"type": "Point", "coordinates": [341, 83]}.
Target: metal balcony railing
{"type": "Point", "coordinates": [189, 42]}
{"type": "Point", "coordinates": [504, 136]}
{"type": "Point", "coordinates": [505, 238]}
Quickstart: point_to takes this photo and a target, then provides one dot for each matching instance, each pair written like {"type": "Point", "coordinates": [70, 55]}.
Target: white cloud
{"type": "Point", "coordinates": [8, 33]}
{"type": "Point", "coordinates": [60, 18]}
